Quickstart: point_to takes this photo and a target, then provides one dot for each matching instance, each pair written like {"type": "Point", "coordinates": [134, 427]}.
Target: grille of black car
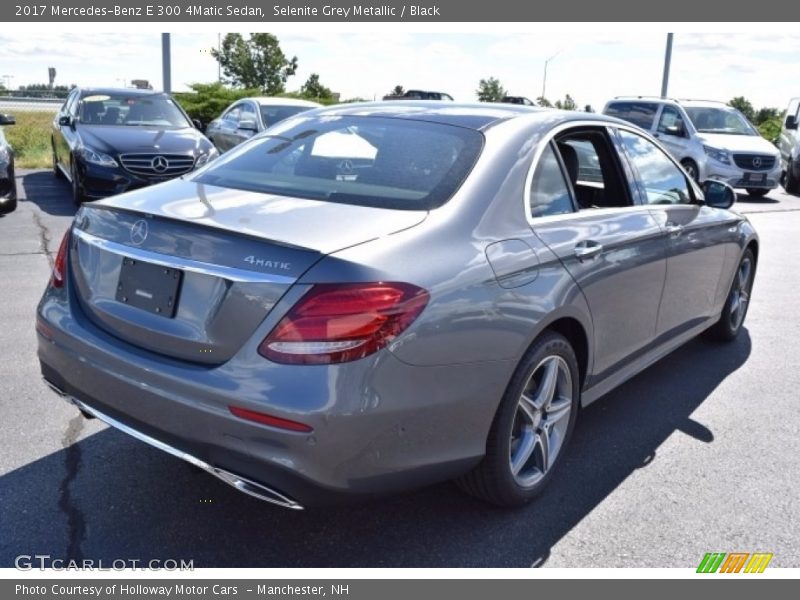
{"type": "Point", "coordinates": [157, 165]}
{"type": "Point", "coordinates": [754, 162]}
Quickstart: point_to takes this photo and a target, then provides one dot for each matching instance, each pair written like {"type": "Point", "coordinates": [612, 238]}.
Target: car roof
{"type": "Point", "coordinates": [659, 100]}
{"type": "Point", "coordinates": [85, 91]}
{"type": "Point", "coordinates": [479, 115]}
{"type": "Point", "coordinates": [273, 100]}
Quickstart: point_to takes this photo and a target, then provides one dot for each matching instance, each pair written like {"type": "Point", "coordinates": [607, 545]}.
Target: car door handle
{"type": "Point", "coordinates": [674, 230]}
{"type": "Point", "coordinates": [588, 250]}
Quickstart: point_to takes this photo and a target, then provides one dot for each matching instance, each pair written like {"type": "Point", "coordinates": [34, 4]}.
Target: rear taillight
{"type": "Point", "coordinates": [335, 323]}
{"type": "Point", "coordinates": [59, 265]}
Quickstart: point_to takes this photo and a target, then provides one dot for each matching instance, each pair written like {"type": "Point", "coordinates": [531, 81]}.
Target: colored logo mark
{"type": "Point", "coordinates": [734, 562]}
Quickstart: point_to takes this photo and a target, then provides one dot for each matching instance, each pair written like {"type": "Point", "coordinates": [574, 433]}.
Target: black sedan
{"type": "Point", "coordinates": [108, 141]}
{"type": "Point", "coordinates": [8, 189]}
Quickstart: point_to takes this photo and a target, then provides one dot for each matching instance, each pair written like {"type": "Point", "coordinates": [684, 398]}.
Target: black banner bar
{"type": "Point", "coordinates": [394, 589]}
{"type": "Point", "coordinates": [343, 11]}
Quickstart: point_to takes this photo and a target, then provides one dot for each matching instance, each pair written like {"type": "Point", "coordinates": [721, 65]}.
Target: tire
{"type": "Point", "coordinates": [791, 183]}
{"type": "Point", "coordinates": [514, 470]}
{"type": "Point", "coordinates": [691, 168]}
{"type": "Point", "coordinates": [738, 301]}
{"type": "Point", "coordinates": [757, 192]}
{"type": "Point", "coordinates": [78, 196]}
{"type": "Point", "coordinates": [57, 172]}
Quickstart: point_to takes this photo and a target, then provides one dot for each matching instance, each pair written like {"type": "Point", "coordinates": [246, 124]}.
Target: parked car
{"type": "Point", "coordinates": [248, 116]}
{"type": "Point", "coordinates": [518, 100]}
{"type": "Point", "coordinates": [419, 95]}
{"type": "Point", "coordinates": [108, 141]}
{"type": "Point", "coordinates": [789, 147]}
{"type": "Point", "coordinates": [306, 335]}
{"type": "Point", "coordinates": [710, 139]}
{"type": "Point", "coordinates": [8, 186]}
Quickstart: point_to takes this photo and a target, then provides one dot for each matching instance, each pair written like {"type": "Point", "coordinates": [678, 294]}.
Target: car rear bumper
{"type": "Point", "coordinates": [378, 426]}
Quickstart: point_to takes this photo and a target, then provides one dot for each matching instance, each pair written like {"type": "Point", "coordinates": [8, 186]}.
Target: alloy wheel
{"type": "Point", "coordinates": [740, 293]}
{"type": "Point", "coordinates": [541, 421]}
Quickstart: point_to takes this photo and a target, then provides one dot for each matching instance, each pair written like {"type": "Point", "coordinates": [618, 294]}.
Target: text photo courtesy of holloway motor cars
{"type": "Point", "coordinates": [514, 289]}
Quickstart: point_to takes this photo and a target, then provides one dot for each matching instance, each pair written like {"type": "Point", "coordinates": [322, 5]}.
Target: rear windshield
{"type": "Point", "coordinates": [371, 161]}
{"type": "Point", "coordinates": [638, 113]}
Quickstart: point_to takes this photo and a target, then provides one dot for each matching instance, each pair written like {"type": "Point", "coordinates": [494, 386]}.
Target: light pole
{"type": "Point", "coordinates": [8, 79]}
{"type": "Point", "coordinates": [166, 62]}
{"type": "Point", "coordinates": [544, 77]}
{"type": "Point", "coordinates": [667, 61]}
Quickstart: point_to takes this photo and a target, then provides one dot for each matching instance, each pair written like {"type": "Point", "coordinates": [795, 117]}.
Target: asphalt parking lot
{"type": "Point", "coordinates": [699, 453]}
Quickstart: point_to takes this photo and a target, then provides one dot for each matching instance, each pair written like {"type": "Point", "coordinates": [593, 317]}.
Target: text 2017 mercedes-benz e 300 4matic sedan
{"type": "Point", "coordinates": [370, 298]}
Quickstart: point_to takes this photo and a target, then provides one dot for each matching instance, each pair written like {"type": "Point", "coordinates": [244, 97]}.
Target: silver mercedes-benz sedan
{"type": "Point", "coordinates": [370, 298]}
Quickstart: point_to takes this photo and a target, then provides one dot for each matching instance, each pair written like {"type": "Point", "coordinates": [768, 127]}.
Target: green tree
{"type": "Point", "coordinates": [542, 101]}
{"type": "Point", "coordinates": [567, 103]}
{"type": "Point", "coordinates": [766, 114]}
{"type": "Point", "coordinates": [314, 89]}
{"type": "Point", "coordinates": [490, 90]}
{"type": "Point", "coordinates": [744, 106]}
{"type": "Point", "coordinates": [397, 91]}
{"type": "Point", "coordinates": [256, 62]}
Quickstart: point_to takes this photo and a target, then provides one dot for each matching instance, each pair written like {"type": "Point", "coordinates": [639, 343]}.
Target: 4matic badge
{"type": "Point", "coordinates": [268, 264]}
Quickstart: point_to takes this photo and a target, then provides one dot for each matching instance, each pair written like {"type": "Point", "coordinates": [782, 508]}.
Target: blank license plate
{"type": "Point", "coordinates": [755, 177]}
{"type": "Point", "coordinates": [150, 287]}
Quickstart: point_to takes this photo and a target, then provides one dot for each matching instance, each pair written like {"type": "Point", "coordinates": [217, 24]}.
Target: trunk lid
{"type": "Point", "coordinates": [190, 273]}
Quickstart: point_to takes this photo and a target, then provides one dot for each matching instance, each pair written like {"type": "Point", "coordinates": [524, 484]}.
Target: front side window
{"type": "Point", "coordinates": [248, 113]}
{"type": "Point", "coordinates": [370, 161]}
{"type": "Point", "coordinates": [670, 122]}
{"type": "Point", "coordinates": [660, 180]}
{"type": "Point", "coordinates": [549, 189]}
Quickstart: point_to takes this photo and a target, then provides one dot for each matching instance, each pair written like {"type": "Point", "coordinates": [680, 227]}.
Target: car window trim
{"type": "Point", "coordinates": [550, 137]}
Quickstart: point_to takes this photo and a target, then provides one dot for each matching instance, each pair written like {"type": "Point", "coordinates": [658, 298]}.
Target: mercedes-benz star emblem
{"type": "Point", "coordinates": [159, 164]}
{"type": "Point", "coordinates": [139, 232]}
{"type": "Point", "coordinates": [757, 162]}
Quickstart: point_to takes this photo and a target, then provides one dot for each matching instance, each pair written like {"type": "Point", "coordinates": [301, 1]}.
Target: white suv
{"type": "Point", "coordinates": [710, 139]}
{"type": "Point", "coordinates": [789, 145]}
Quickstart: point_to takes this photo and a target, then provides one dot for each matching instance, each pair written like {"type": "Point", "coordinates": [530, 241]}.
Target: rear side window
{"type": "Point", "coordinates": [370, 161]}
{"type": "Point", "coordinates": [640, 114]}
{"type": "Point", "coordinates": [549, 189]}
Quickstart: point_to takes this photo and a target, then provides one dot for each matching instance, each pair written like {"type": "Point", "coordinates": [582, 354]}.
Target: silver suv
{"type": "Point", "coordinates": [710, 139]}
{"type": "Point", "coordinates": [789, 146]}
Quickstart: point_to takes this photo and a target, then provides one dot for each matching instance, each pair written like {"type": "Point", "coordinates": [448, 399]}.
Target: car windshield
{"type": "Point", "coordinates": [719, 120]}
{"type": "Point", "coordinates": [271, 114]}
{"type": "Point", "coordinates": [119, 109]}
{"type": "Point", "coordinates": [370, 161]}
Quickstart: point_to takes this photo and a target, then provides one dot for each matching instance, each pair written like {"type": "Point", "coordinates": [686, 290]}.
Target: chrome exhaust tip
{"type": "Point", "coordinates": [239, 482]}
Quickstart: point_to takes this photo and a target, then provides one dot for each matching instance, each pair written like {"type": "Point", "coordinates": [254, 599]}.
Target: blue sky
{"type": "Point", "coordinates": [591, 67]}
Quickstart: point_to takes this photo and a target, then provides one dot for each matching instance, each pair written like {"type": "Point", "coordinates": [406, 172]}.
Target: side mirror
{"type": "Point", "coordinates": [197, 124]}
{"type": "Point", "coordinates": [7, 119]}
{"type": "Point", "coordinates": [791, 122]}
{"type": "Point", "coordinates": [676, 130]}
{"type": "Point", "coordinates": [718, 194]}
{"type": "Point", "coordinates": [247, 125]}
{"type": "Point", "coordinates": [65, 121]}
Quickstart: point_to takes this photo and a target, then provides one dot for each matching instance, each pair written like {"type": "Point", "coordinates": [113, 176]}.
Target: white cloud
{"type": "Point", "coordinates": [590, 67]}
